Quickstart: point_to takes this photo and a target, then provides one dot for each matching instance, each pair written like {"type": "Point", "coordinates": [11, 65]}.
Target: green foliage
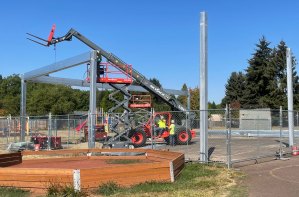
{"type": "Point", "coordinates": [194, 98]}
{"type": "Point", "coordinates": [108, 188]}
{"type": "Point", "coordinates": [264, 85]}
{"type": "Point", "coordinates": [234, 89]}
{"type": "Point", "coordinates": [183, 99]}
{"type": "Point", "coordinates": [13, 192]}
{"type": "Point", "coordinates": [57, 190]}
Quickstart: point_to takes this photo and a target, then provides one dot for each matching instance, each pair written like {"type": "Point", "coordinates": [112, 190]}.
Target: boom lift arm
{"type": "Point", "coordinates": [142, 80]}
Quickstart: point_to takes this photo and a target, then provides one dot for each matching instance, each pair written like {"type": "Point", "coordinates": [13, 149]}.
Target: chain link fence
{"type": "Point", "coordinates": [234, 136]}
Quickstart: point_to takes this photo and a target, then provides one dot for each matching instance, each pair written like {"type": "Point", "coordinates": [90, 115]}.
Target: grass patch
{"type": "Point", "coordinates": [58, 190]}
{"type": "Point", "coordinates": [195, 180]}
{"type": "Point", "coordinates": [13, 192]}
{"type": "Point", "coordinates": [238, 191]}
{"type": "Point", "coordinates": [123, 161]}
{"type": "Point", "coordinates": [109, 188]}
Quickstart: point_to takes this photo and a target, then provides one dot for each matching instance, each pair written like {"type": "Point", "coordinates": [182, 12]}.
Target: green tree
{"type": "Point", "coordinates": [234, 89]}
{"type": "Point", "coordinates": [279, 96]}
{"type": "Point", "coordinates": [194, 98]}
{"type": "Point", "coordinates": [259, 76]}
{"type": "Point", "coordinates": [10, 95]}
{"type": "Point", "coordinates": [182, 98]}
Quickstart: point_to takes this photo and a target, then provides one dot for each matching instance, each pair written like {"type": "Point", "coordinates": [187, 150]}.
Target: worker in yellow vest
{"type": "Point", "coordinates": [172, 133]}
{"type": "Point", "coordinates": [161, 126]}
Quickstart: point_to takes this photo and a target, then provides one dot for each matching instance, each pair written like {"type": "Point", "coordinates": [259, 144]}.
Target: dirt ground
{"type": "Point", "coordinates": [273, 178]}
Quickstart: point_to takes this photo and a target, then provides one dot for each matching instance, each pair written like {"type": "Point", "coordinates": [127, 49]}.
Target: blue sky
{"type": "Point", "coordinates": [159, 38]}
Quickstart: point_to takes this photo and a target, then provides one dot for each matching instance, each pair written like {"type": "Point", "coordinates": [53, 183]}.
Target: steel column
{"type": "Point", "coordinates": [92, 99]}
{"type": "Point", "coordinates": [290, 97]}
{"type": "Point", "coordinates": [23, 109]}
{"type": "Point", "coordinates": [203, 88]}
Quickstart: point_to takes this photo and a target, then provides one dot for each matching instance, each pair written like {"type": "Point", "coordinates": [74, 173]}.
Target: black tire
{"type": "Point", "coordinates": [138, 138]}
{"type": "Point", "coordinates": [183, 136]}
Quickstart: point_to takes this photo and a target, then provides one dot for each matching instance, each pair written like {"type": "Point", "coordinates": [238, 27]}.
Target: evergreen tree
{"type": "Point", "coordinates": [279, 96]}
{"type": "Point", "coordinates": [181, 98]}
{"type": "Point", "coordinates": [259, 77]}
{"type": "Point", "coordinates": [234, 89]}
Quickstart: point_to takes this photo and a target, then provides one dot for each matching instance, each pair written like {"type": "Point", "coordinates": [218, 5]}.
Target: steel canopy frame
{"type": "Point", "coordinates": [41, 75]}
{"type": "Point", "coordinates": [58, 66]}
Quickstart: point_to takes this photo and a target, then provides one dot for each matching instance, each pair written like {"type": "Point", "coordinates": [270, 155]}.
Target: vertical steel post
{"type": "Point", "coordinates": [228, 120]}
{"type": "Point", "coordinates": [203, 88]}
{"type": "Point", "coordinates": [92, 99]}
{"type": "Point", "coordinates": [69, 130]}
{"type": "Point", "coordinates": [49, 130]}
{"type": "Point", "coordinates": [290, 97]}
{"type": "Point", "coordinates": [280, 132]}
{"type": "Point", "coordinates": [23, 109]}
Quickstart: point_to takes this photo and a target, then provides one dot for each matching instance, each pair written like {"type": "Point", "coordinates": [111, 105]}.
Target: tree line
{"type": "Point", "coordinates": [264, 82]}
{"type": "Point", "coordinates": [60, 99]}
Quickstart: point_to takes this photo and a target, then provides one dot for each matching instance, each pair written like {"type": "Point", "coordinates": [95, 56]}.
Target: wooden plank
{"type": "Point", "coordinates": [10, 158]}
{"type": "Point", "coordinates": [156, 159]}
{"type": "Point", "coordinates": [122, 168]}
{"type": "Point", "coordinates": [163, 152]}
{"type": "Point", "coordinates": [10, 163]}
{"type": "Point", "coordinates": [128, 181]}
{"type": "Point", "coordinates": [39, 171]}
{"type": "Point", "coordinates": [24, 184]}
{"type": "Point", "coordinates": [10, 155]}
{"type": "Point", "coordinates": [178, 171]}
{"type": "Point", "coordinates": [178, 163]}
{"type": "Point", "coordinates": [51, 160]}
{"type": "Point", "coordinates": [55, 152]}
{"type": "Point", "coordinates": [37, 178]}
{"type": "Point", "coordinates": [165, 156]}
{"type": "Point", "coordinates": [125, 174]}
{"type": "Point", "coordinates": [78, 151]}
{"type": "Point", "coordinates": [139, 157]}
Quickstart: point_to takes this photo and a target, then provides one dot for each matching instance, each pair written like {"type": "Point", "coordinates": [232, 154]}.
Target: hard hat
{"type": "Point", "coordinates": [162, 117]}
{"type": "Point", "coordinates": [172, 121]}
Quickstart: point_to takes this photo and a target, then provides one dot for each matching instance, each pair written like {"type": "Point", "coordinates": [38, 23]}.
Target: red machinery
{"type": "Point", "coordinates": [141, 101]}
{"type": "Point", "coordinates": [43, 142]}
{"type": "Point", "coordinates": [183, 136]}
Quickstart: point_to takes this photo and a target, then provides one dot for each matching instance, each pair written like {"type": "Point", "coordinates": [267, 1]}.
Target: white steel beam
{"type": "Point", "coordinates": [61, 65]}
{"type": "Point", "coordinates": [105, 86]}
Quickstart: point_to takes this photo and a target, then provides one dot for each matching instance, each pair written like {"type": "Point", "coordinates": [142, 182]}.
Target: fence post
{"type": "Point", "coordinates": [49, 130]}
{"type": "Point", "coordinates": [280, 132]}
{"type": "Point", "coordinates": [9, 128]}
{"type": "Point", "coordinates": [69, 129]}
{"type": "Point", "coordinates": [228, 135]}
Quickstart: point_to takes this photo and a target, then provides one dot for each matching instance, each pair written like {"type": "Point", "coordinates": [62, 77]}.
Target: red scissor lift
{"type": "Point", "coordinates": [141, 101]}
{"type": "Point", "coordinates": [109, 73]}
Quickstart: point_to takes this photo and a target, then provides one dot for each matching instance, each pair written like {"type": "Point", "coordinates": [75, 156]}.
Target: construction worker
{"type": "Point", "coordinates": [171, 133]}
{"type": "Point", "coordinates": [161, 126]}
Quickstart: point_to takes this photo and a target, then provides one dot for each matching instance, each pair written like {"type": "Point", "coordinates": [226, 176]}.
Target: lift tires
{"type": "Point", "coordinates": [183, 136]}
{"type": "Point", "coordinates": [138, 138]}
